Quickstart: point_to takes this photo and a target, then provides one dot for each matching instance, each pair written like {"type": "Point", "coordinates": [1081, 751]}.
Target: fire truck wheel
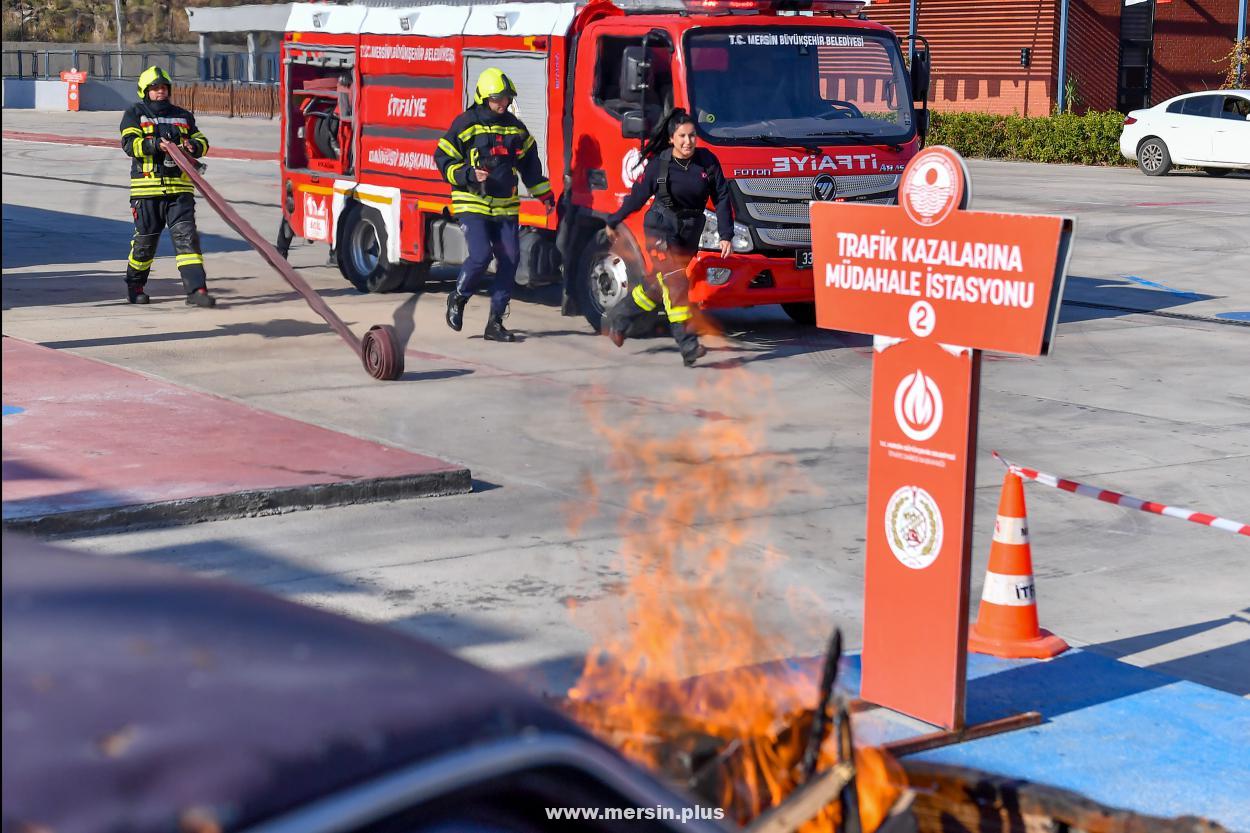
{"type": "Point", "coordinates": [801, 313]}
{"type": "Point", "coordinates": [415, 277]}
{"type": "Point", "coordinates": [603, 278]}
{"type": "Point", "coordinates": [362, 253]}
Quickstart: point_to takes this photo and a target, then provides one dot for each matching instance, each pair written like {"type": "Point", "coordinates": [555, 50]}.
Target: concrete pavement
{"type": "Point", "coordinates": [1146, 393]}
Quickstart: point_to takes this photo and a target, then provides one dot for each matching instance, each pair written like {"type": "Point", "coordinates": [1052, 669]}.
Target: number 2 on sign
{"type": "Point", "coordinates": [921, 318]}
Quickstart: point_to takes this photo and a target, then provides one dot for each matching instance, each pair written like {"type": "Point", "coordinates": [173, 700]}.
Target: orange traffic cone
{"type": "Point", "coordinates": [1007, 625]}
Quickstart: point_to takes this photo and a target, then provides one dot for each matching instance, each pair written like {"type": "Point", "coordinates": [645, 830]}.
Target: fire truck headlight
{"type": "Point", "coordinates": [710, 240]}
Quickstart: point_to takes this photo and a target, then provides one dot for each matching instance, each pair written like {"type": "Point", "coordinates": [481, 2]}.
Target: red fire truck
{"type": "Point", "coordinates": [800, 99]}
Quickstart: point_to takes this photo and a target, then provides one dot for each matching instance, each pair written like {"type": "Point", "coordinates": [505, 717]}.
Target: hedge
{"type": "Point", "coordinates": [1089, 139]}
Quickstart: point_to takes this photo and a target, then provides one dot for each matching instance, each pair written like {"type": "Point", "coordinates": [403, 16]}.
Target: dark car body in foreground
{"type": "Point", "coordinates": [137, 698]}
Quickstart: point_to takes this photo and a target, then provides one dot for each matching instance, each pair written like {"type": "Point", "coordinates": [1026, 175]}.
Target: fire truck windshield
{"type": "Point", "coordinates": [802, 84]}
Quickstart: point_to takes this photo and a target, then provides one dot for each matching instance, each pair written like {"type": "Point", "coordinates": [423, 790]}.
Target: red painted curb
{"type": "Point", "coordinates": [92, 141]}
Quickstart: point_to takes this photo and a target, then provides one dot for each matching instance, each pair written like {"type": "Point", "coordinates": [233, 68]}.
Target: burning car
{"type": "Point", "coordinates": [137, 698]}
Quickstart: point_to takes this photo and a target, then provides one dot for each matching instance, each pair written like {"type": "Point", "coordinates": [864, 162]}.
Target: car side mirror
{"type": "Point", "coordinates": [633, 124]}
{"type": "Point", "coordinates": [635, 73]}
{"type": "Point", "coordinates": [920, 71]}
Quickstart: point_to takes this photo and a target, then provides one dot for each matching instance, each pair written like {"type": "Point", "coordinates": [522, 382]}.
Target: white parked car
{"type": "Point", "coordinates": [1209, 130]}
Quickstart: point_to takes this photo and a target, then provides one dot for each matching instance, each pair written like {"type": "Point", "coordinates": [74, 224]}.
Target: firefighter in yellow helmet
{"type": "Point", "coordinates": [482, 155]}
{"type": "Point", "coordinates": [161, 195]}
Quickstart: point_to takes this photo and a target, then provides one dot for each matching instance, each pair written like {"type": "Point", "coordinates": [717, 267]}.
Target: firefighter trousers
{"type": "Point", "coordinates": [177, 213]}
{"type": "Point", "coordinates": [487, 237]}
{"type": "Point", "coordinates": [667, 288]}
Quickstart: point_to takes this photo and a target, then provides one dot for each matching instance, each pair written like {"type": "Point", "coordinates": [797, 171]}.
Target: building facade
{"type": "Point", "coordinates": [1000, 56]}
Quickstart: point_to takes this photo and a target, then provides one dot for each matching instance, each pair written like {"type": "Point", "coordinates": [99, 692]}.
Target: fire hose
{"type": "Point", "coordinates": [378, 351]}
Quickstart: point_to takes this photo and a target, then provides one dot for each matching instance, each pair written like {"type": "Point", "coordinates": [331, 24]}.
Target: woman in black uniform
{"type": "Point", "coordinates": [682, 178]}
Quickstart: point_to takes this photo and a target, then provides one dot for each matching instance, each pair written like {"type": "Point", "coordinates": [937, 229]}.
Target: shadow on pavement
{"type": "Point", "coordinates": [759, 334]}
{"type": "Point", "coordinates": [37, 236]}
{"type": "Point", "coordinates": [1083, 296]}
{"type": "Point", "coordinates": [1071, 682]}
{"type": "Point", "coordinates": [281, 328]}
{"type": "Point", "coordinates": [1226, 667]}
{"type": "Point", "coordinates": [452, 632]}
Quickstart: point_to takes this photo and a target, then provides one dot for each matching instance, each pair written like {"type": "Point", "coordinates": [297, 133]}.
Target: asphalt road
{"type": "Point", "coordinates": [1146, 392]}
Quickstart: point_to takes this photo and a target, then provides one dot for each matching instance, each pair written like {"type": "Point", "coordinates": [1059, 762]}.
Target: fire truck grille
{"type": "Point", "coordinates": [777, 207]}
{"type": "Point", "coordinates": [796, 212]}
{"type": "Point", "coordinates": [798, 237]}
{"type": "Point", "coordinates": [800, 187]}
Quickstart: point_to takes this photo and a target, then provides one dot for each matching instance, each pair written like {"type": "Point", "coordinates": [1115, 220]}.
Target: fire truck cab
{"type": "Point", "coordinates": [800, 100]}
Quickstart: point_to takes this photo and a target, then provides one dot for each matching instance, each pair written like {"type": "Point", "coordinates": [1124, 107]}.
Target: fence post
{"type": "Point", "coordinates": [232, 89]}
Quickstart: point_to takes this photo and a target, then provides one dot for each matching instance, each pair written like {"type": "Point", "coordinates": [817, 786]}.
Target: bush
{"type": "Point", "coordinates": [1089, 139]}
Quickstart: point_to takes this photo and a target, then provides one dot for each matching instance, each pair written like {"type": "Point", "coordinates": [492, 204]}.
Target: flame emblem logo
{"type": "Point", "coordinates": [632, 167]}
{"type": "Point", "coordinates": [918, 406]}
{"type": "Point", "coordinates": [913, 527]}
{"type": "Point", "coordinates": [930, 190]}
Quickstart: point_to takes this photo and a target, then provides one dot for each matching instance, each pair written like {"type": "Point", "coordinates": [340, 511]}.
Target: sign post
{"type": "Point", "coordinates": [935, 284]}
{"type": "Point", "coordinates": [74, 77]}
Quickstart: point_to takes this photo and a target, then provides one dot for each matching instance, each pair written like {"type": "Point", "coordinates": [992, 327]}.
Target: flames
{"type": "Point", "coordinates": [688, 680]}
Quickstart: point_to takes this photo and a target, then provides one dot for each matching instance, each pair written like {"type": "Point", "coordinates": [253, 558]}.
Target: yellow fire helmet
{"type": "Point", "coordinates": [153, 75]}
{"type": "Point", "coordinates": [493, 82]}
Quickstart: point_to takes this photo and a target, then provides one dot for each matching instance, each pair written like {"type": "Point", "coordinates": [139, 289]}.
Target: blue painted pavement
{"type": "Point", "coordinates": [12, 409]}
{"type": "Point", "coordinates": [1156, 285]}
{"type": "Point", "coordinates": [1124, 736]}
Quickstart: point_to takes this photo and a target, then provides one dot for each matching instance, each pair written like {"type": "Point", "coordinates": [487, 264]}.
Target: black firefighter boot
{"type": "Point", "coordinates": [135, 293]}
{"type": "Point", "coordinates": [201, 298]}
{"type": "Point", "coordinates": [455, 310]}
{"type": "Point", "coordinates": [495, 330]}
{"type": "Point", "coordinates": [688, 343]}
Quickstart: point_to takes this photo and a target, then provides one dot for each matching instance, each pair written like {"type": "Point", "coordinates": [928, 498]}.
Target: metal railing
{"type": "Point", "coordinates": [126, 65]}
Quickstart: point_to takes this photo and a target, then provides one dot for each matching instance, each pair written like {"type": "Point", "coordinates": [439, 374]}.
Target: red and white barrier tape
{"type": "Point", "coordinates": [1108, 496]}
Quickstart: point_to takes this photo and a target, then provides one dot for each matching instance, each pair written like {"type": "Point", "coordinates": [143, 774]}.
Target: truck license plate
{"type": "Point", "coordinates": [803, 260]}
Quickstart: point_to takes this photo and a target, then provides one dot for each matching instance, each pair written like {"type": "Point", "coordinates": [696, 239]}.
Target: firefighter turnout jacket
{"type": "Point", "coordinates": [143, 126]}
{"type": "Point", "coordinates": [498, 143]}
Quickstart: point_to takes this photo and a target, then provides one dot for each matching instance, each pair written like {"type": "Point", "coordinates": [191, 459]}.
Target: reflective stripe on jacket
{"type": "Point", "coordinates": [498, 143]}
{"type": "Point", "coordinates": [150, 174]}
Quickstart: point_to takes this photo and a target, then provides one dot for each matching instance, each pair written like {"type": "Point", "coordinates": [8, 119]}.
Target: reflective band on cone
{"type": "Point", "coordinates": [1007, 623]}
{"type": "Point", "coordinates": [1011, 530]}
{"type": "Point", "coordinates": [1016, 591]}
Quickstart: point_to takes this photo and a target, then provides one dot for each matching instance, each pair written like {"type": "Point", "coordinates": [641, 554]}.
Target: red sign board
{"type": "Point", "coordinates": [74, 77]}
{"type": "Point", "coordinates": [922, 276]}
{"type": "Point", "coordinates": [922, 442]}
{"type": "Point", "coordinates": [926, 269]}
